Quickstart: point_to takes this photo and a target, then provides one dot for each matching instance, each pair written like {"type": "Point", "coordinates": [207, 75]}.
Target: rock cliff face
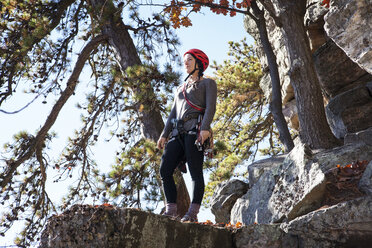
{"type": "Point", "coordinates": [85, 226]}
{"type": "Point", "coordinates": [306, 198]}
{"type": "Point", "coordinates": [348, 24]}
{"type": "Point", "coordinates": [341, 41]}
{"type": "Point", "coordinates": [301, 199]}
{"type": "Point", "coordinates": [99, 227]}
{"type": "Point", "coordinates": [304, 192]}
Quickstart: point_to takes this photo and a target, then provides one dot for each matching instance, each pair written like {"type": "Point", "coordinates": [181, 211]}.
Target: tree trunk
{"type": "Point", "coordinates": [276, 98]}
{"type": "Point", "coordinates": [314, 129]}
{"type": "Point", "coordinates": [151, 121]}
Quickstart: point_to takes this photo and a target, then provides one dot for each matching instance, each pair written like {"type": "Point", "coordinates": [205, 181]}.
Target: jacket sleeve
{"type": "Point", "coordinates": [168, 125]}
{"type": "Point", "coordinates": [210, 102]}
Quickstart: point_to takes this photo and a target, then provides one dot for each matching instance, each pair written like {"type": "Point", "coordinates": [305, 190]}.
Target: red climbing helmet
{"type": "Point", "coordinates": [200, 55]}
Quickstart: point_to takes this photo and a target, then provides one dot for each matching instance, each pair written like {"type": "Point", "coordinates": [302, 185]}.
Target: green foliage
{"type": "Point", "coordinates": [24, 197]}
{"type": "Point", "coordinates": [243, 125]}
{"type": "Point", "coordinates": [40, 43]}
{"type": "Point", "coordinates": [27, 51]}
{"type": "Point", "coordinates": [135, 177]}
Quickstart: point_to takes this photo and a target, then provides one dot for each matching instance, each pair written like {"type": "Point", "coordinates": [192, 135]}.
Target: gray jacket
{"type": "Point", "coordinates": [202, 93]}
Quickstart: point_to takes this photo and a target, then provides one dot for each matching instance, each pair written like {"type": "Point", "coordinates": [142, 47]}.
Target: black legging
{"type": "Point", "coordinates": [175, 150]}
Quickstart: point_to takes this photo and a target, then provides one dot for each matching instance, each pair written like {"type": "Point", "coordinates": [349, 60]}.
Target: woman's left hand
{"type": "Point", "coordinates": [204, 134]}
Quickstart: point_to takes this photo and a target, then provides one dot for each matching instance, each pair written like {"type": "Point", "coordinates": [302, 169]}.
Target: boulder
{"type": "Point", "coordinates": [337, 72]}
{"type": "Point", "coordinates": [350, 111]}
{"type": "Point", "coordinates": [263, 235]}
{"type": "Point", "coordinates": [364, 137]}
{"type": "Point", "coordinates": [295, 187]}
{"type": "Point", "coordinates": [256, 169]}
{"type": "Point", "coordinates": [224, 198]}
{"type": "Point", "coordinates": [299, 187]}
{"type": "Point", "coordinates": [89, 226]}
{"type": "Point", "coordinates": [348, 24]}
{"type": "Point", "coordinates": [365, 183]}
{"type": "Point", "coordinates": [347, 224]}
{"type": "Point", "coordinates": [253, 206]}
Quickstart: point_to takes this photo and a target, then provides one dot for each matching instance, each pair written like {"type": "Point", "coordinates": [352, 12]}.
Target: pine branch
{"type": "Point", "coordinates": [65, 95]}
{"type": "Point", "coordinates": [15, 58]}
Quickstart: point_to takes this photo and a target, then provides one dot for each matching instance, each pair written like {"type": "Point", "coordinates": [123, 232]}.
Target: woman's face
{"type": "Point", "coordinates": [189, 63]}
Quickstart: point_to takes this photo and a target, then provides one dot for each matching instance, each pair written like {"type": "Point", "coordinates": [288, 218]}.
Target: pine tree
{"type": "Point", "coordinates": [244, 128]}
{"type": "Point", "coordinates": [40, 41]}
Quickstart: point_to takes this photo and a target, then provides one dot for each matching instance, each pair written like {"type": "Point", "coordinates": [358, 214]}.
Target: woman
{"type": "Point", "coordinates": [188, 127]}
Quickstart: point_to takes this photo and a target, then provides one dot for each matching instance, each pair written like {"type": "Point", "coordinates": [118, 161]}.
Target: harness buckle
{"type": "Point", "coordinates": [178, 127]}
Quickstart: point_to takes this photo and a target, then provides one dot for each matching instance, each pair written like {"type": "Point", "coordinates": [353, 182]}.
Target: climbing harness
{"type": "Point", "coordinates": [207, 146]}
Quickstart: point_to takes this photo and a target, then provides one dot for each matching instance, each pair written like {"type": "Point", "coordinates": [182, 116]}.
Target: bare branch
{"type": "Point", "coordinates": [145, 27]}
{"type": "Point", "coordinates": [214, 5]}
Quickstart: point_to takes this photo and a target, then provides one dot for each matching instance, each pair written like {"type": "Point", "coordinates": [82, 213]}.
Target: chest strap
{"type": "Point", "coordinates": [194, 106]}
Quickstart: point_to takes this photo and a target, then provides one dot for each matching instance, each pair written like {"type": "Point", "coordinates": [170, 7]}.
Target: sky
{"type": "Point", "coordinates": [209, 32]}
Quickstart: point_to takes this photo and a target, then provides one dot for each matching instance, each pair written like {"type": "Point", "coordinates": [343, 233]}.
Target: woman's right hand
{"type": "Point", "coordinates": [161, 142]}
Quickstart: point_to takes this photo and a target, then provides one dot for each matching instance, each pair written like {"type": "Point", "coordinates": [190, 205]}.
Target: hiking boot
{"type": "Point", "coordinates": [170, 210]}
{"type": "Point", "coordinates": [170, 215]}
{"type": "Point", "coordinates": [192, 213]}
{"type": "Point", "coordinates": [188, 218]}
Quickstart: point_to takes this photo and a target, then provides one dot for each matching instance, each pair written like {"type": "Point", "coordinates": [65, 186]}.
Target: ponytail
{"type": "Point", "coordinates": [200, 66]}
